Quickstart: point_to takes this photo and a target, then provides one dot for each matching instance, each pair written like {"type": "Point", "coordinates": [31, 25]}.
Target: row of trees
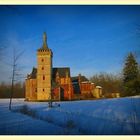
{"type": "Point", "coordinates": [110, 83]}
{"type": "Point", "coordinates": [127, 83]}
{"type": "Point", "coordinates": [5, 90]}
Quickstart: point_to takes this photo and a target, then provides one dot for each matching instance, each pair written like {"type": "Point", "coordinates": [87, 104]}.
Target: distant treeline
{"type": "Point", "coordinates": [110, 83]}
{"type": "Point", "coordinates": [127, 83]}
{"type": "Point", "coordinates": [5, 90]}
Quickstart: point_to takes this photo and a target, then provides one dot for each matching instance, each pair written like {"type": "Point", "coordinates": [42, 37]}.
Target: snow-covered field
{"type": "Point", "coordinates": [99, 117]}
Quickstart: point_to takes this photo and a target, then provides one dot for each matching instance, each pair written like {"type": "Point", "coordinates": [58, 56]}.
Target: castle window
{"type": "Point", "coordinates": [42, 60]}
{"type": "Point", "coordinates": [43, 77]}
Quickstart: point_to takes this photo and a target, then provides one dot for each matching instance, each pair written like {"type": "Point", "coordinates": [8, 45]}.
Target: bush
{"type": "Point", "coordinates": [27, 111]}
{"type": "Point", "coordinates": [70, 124]}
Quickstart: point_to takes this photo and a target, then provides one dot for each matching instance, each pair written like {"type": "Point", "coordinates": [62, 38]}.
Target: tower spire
{"type": "Point", "coordinates": [44, 37]}
{"type": "Point", "coordinates": [45, 46]}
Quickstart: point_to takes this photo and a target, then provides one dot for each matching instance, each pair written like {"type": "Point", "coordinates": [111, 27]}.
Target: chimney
{"type": "Point", "coordinates": [79, 78]}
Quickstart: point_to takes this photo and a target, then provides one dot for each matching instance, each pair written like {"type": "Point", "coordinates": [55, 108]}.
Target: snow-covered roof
{"type": "Point", "coordinates": [98, 87]}
{"type": "Point", "coordinates": [85, 82]}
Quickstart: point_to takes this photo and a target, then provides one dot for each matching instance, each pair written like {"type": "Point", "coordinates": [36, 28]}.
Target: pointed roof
{"type": "Point", "coordinates": [62, 71]}
{"type": "Point", "coordinates": [32, 75]}
{"type": "Point", "coordinates": [45, 45]}
{"type": "Point", "coordinates": [76, 78]}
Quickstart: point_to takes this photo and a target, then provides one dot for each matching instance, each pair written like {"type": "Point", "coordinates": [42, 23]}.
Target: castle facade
{"type": "Point", "coordinates": [47, 82]}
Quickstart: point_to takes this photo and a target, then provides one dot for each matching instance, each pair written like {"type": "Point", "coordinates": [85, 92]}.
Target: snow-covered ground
{"type": "Point", "coordinates": [98, 117]}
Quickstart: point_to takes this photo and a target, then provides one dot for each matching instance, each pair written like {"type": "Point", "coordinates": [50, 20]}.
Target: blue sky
{"type": "Point", "coordinates": [88, 39]}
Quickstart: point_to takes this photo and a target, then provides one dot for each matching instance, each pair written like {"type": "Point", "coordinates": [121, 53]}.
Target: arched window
{"type": "Point", "coordinates": [42, 60]}
{"type": "Point", "coordinates": [43, 77]}
{"type": "Point", "coordinates": [43, 90]}
{"type": "Point", "coordinates": [42, 68]}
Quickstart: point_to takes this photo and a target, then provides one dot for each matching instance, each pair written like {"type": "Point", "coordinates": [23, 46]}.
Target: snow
{"type": "Point", "coordinates": [98, 87]}
{"type": "Point", "coordinates": [19, 124]}
{"type": "Point", "coordinates": [118, 116]}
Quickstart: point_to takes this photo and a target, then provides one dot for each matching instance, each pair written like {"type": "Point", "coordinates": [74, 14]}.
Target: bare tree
{"type": "Point", "coordinates": [15, 72]}
{"type": "Point", "coordinates": [2, 48]}
{"type": "Point", "coordinates": [111, 83]}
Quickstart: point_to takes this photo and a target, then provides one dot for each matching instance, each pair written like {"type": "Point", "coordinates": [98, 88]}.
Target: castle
{"type": "Point", "coordinates": [46, 82]}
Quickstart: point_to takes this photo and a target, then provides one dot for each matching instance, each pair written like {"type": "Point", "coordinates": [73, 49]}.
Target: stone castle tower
{"type": "Point", "coordinates": [44, 71]}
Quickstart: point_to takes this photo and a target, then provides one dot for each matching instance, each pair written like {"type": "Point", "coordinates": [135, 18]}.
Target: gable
{"type": "Point", "coordinates": [62, 71]}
